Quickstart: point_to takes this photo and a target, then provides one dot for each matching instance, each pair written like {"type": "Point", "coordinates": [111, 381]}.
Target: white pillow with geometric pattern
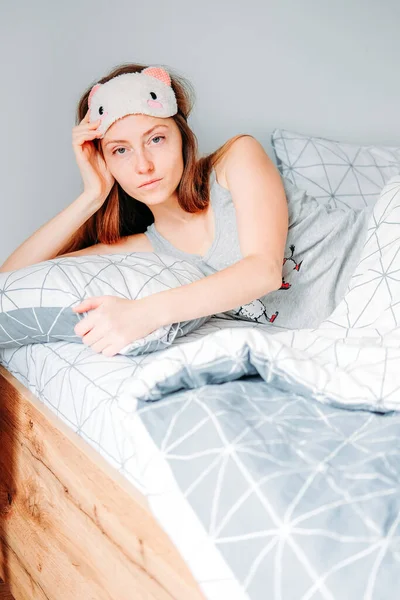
{"type": "Point", "coordinates": [336, 173]}
{"type": "Point", "coordinates": [36, 301]}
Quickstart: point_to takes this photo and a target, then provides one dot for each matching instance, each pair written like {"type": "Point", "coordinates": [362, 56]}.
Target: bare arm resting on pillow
{"type": "Point", "coordinates": [262, 219]}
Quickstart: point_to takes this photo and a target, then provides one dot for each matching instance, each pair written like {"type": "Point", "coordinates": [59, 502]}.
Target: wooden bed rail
{"type": "Point", "coordinates": [71, 526]}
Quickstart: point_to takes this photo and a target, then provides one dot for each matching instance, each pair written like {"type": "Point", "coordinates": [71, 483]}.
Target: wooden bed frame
{"type": "Point", "coordinates": [71, 526]}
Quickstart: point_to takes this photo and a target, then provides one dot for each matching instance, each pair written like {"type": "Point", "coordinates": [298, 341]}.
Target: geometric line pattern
{"type": "Point", "coordinates": [301, 498]}
{"type": "Point", "coordinates": [36, 301]}
{"type": "Point", "coordinates": [336, 173]}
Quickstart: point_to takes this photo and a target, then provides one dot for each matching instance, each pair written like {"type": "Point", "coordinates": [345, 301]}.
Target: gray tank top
{"type": "Point", "coordinates": [322, 250]}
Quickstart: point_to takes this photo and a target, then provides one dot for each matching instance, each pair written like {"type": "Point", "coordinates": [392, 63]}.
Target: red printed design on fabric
{"type": "Point", "coordinates": [285, 285]}
{"type": "Point", "coordinates": [256, 309]}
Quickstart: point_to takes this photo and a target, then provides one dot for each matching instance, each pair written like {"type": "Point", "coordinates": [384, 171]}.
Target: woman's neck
{"type": "Point", "coordinates": [170, 214]}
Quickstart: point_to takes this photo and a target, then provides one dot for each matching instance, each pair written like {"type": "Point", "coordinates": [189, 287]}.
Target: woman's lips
{"type": "Point", "coordinates": [150, 185]}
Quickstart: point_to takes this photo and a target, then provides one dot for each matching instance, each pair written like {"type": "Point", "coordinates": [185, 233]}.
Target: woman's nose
{"type": "Point", "coordinates": [143, 164]}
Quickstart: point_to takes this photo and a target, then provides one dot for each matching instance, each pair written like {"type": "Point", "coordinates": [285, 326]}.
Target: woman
{"type": "Point", "coordinates": [269, 252]}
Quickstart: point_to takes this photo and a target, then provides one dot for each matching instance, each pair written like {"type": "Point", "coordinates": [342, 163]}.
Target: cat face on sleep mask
{"type": "Point", "coordinates": [147, 92]}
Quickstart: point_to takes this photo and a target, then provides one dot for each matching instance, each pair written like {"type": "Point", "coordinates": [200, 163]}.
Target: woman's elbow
{"type": "Point", "coordinates": [271, 274]}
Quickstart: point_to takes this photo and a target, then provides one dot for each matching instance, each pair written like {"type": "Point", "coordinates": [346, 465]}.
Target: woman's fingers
{"type": "Point", "coordinates": [87, 128]}
{"type": "Point", "coordinates": [83, 136]}
{"type": "Point", "coordinates": [79, 139]}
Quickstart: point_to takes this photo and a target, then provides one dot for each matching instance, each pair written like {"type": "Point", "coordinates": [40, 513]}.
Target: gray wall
{"type": "Point", "coordinates": [314, 66]}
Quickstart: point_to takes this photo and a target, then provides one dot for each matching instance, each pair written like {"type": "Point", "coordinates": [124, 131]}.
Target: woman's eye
{"type": "Point", "coordinates": [157, 137]}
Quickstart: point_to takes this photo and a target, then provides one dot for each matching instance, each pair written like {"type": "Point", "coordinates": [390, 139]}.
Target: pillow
{"type": "Point", "coordinates": [36, 301]}
{"type": "Point", "coordinates": [335, 173]}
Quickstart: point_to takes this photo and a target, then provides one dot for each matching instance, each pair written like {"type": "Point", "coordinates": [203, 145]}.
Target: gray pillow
{"type": "Point", "coordinates": [36, 301]}
{"type": "Point", "coordinates": [336, 173]}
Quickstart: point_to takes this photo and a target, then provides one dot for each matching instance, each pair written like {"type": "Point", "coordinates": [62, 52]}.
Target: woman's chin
{"type": "Point", "coordinates": [153, 199]}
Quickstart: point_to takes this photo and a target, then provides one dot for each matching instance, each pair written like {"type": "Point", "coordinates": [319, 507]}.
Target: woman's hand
{"type": "Point", "coordinates": [115, 322]}
{"type": "Point", "coordinates": [97, 178]}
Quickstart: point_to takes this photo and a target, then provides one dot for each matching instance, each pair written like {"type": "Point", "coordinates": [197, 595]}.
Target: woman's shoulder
{"type": "Point", "coordinates": [138, 242]}
{"type": "Point", "coordinates": [231, 149]}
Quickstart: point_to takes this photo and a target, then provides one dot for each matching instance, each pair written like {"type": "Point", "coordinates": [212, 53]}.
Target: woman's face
{"type": "Point", "coordinates": [139, 148]}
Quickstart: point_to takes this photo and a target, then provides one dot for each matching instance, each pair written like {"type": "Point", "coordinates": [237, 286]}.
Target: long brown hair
{"type": "Point", "coordinates": [121, 214]}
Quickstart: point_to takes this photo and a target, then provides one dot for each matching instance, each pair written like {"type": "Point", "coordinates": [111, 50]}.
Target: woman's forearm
{"type": "Point", "coordinates": [242, 282]}
{"type": "Point", "coordinates": [50, 238]}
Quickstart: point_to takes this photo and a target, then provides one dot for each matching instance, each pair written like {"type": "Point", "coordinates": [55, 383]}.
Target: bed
{"type": "Point", "coordinates": [243, 462]}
